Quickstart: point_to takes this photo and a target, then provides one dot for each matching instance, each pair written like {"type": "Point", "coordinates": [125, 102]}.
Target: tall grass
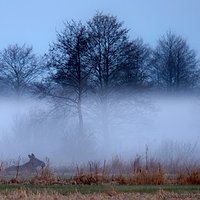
{"type": "Point", "coordinates": [138, 171]}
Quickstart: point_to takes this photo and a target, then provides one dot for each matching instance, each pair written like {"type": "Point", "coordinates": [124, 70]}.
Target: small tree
{"type": "Point", "coordinates": [175, 65]}
{"type": "Point", "coordinates": [19, 68]}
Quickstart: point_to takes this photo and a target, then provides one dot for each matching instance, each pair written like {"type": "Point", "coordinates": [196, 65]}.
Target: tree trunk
{"type": "Point", "coordinates": [80, 116]}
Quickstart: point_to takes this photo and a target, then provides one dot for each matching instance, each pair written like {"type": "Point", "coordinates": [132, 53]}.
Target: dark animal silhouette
{"type": "Point", "coordinates": [31, 166]}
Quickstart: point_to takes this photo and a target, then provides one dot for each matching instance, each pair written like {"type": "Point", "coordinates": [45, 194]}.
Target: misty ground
{"type": "Point", "coordinates": [167, 125]}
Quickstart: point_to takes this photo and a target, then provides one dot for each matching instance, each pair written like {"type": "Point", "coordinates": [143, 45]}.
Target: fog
{"type": "Point", "coordinates": [165, 123]}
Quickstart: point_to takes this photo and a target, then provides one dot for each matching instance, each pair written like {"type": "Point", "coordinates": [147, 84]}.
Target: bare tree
{"type": "Point", "coordinates": [115, 60]}
{"type": "Point", "coordinates": [175, 65]}
{"type": "Point", "coordinates": [69, 71]}
{"type": "Point", "coordinates": [136, 72]}
{"type": "Point", "coordinates": [98, 57]}
{"type": "Point", "coordinates": [109, 51]}
{"type": "Point", "coordinates": [19, 68]}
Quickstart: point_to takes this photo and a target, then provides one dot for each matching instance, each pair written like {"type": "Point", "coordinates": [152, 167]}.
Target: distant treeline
{"type": "Point", "coordinates": [99, 57]}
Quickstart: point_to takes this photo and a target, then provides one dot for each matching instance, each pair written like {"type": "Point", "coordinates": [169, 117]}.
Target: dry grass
{"type": "Point", "coordinates": [109, 195]}
{"type": "Point", "coordinates": [139, 171]}
{"type": "Point", "coordinates": [191, 177]}
{"type": "Point", "coordinates": [117, 172]}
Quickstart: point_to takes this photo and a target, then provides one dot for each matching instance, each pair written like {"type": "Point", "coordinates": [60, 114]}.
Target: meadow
{"type": "Point", "coordinates": [98, 192]}
{"type": "Point", "coordinates": [140, 178]}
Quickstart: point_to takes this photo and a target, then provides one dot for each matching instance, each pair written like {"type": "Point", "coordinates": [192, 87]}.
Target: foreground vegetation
{"type": "Point", "coordinates": [138, 171]}
{"type": "Point", "coordinates": [94, 189]}
{"type": "Point", "coordinates": [116, 180]}
{"type": "Point", "coordinates": [98, 192]}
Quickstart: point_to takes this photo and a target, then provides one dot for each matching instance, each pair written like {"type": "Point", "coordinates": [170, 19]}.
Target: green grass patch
{"type": "Point", "coordinates": [91, 189]}
{"type": "Point", "coordinates": [156, 188]}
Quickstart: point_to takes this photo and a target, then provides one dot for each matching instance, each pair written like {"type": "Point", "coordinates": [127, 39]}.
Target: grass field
{"type": "Point", "coordinates": [99, 192]}
{"type": "Point", "coordinates": [115, 180]}
{"type": "Point", "coordinates": [102, 188]}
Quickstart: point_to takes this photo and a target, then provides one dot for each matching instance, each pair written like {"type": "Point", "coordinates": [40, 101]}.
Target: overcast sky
{"type": "Point", "coordinates": [35, 22]}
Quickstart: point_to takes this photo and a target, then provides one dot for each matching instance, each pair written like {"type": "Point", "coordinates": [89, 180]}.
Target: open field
{"type": "Point", "coordinates": [99, 192]}
{"type": "Point", "coordinates": [103, 188]}
{"type": "Point", "coordinates": [136, 196]}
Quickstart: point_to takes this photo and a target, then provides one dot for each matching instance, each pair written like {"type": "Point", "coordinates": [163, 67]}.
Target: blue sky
{"type": "Point", "coordinates": [35, 22]}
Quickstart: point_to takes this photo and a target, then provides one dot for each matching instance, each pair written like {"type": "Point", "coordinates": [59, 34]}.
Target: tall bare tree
{"type": "Point", "coordinates": [19, 68]}
{"type": "Point", "coordinates": [109, 50]}
{"type": "Point", "coordinates": [67, 61]}
{"type": "Point", "coordinates": [115, 60]}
